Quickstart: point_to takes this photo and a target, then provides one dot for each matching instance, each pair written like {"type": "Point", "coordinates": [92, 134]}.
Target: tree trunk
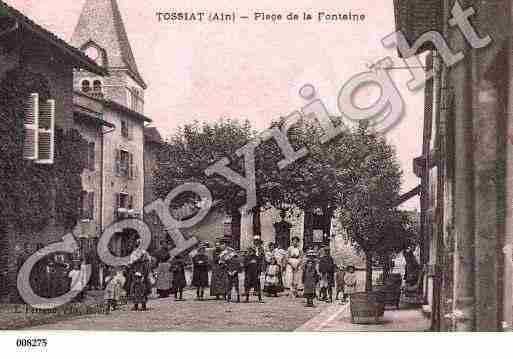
{"type": "Point", "coordinates": [257, 226]}
{"type": "Point", "coordinates": [235, 237]}
{"type": "Point", "coordinates": [368, 271]}
{"type": "Point", "coordinates": [308, 229]}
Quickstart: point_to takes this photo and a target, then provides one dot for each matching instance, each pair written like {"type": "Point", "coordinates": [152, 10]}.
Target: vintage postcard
{"type": "Point", "coordinates": [220, 166]}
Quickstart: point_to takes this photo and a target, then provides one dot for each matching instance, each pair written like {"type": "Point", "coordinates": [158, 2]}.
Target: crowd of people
{"type": "Point", "coordinates": [268, 271]}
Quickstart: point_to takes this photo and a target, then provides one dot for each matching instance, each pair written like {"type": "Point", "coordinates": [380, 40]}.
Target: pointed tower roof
{"type": "Point", "coordinates": [101, 23]}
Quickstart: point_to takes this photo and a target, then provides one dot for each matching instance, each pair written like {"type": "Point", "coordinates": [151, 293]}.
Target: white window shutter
{"type": "Point", "coordinates": [117, 204]}
{"type": "Point", "coordinates": [91, 156]}
{"type": "Point", "coordinates": [46, 136]}
{"type": "Point", "coordinates": [131, 166]}
{"type": "Point", "coordinates": [31, 126]}
{"type": "Point", "coordinates": [117, 162]}
{"type": "Point", "coordinates": [130, 130]}
{"type": "Point", "coordinates": [91, 205]}
{"type": "Point", "coordinates": [81, 208]}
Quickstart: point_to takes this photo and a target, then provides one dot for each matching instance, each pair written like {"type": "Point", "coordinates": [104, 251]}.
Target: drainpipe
{"type": "Point", "coordinates": [102, 208]}
{"type": "Point", "coordinates": [460, 76]}
{"type": "Point", "coordinates": [508, 184]}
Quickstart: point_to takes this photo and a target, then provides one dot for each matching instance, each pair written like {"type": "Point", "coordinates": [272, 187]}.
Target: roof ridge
{"type": "Point", "coordinates": [80, 58]}
{"type": "Point", "coordinates": [124, 42]}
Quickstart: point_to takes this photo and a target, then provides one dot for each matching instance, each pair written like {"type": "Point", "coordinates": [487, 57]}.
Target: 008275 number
{"type": "Point", "coordinates": [31, 343]}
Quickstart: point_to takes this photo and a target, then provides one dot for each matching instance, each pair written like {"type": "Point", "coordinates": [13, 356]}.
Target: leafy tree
{"type": "Point", "coordinates": [317, 179]}
{"type": "Point", "coordinates": [368, 207]}
{"type": "Point", "coordinates": [357, 173]}
{"type": "Point", "coordinates": [399, 232]}
{"type": "Point", "coordinates": [195, 147]}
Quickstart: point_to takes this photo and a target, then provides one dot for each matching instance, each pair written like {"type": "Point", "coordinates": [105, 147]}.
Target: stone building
{"type": "Point", "coordinates": [119, 100]}
{"type": "Point", "coordinates": [466, 163]}
{"type": "Point", "coordinates": [153, 143]}
{"type": "Point", "coordinates": [27, 49]}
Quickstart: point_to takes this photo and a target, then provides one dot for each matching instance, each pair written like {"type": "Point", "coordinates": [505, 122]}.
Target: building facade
{"type": "Point", "coordinates": [43, 66]}
{"type": "Point", "coordinates": [466, 164]}
{"type": "Point", "coordinates": [119, 98]}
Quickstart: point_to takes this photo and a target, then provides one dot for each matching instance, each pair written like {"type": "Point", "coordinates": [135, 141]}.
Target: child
{"type": "Point", "coordinates": [310, 278]}
{"type": "Point", "coordinates": [179, 283]}
{"type": "Point", "coordinates": [327, 271]}
{"type": "Point", "coordinates": [200, 272]}
{"type": "Point", "coordinates": [233, 266]}
{"type": "Point", "coordinates": [350, 282]}
{"type": "Point", "coordinates": [272, 278]}
{"type": "Point", "coordinates": [252, 274]}
{"type": "Point", "coordinates": [113, 290]}
{"type": "Point", "coordinates": [76, 286]}
{"type": "Point", "coordinates": [138, 290]}
{"type": "Point", "coordinates": [339, 282]}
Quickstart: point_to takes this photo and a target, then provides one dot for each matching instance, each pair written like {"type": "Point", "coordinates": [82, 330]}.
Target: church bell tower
{"type": "Point", "coordinates": [101, 34]}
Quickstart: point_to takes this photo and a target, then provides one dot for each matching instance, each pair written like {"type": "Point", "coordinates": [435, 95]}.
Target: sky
{"type": "Point", "coordinates": [252, 69]}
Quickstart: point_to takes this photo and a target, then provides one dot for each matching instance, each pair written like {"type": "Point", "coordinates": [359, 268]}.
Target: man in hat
{"type": "Point", "coordinates": [139, 291]}
{"type": "Point", "coordinates": [260, 254]}
{"type": "Point", "coordinates": [252, 274]}
{"type": "Point", "coordinates": [327, 271]}
{"type": "Point", "coordinates": [200, 268]}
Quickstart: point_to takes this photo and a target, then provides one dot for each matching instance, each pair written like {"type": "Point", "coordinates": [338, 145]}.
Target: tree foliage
{"type": "Point", "coordinates": [194, 148]}
{"type": "Point", "coordinates": [356, 173]}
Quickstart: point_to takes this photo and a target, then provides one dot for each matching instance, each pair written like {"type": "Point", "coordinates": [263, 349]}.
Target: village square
{"type": "Point", "coordinates": [108, 224]}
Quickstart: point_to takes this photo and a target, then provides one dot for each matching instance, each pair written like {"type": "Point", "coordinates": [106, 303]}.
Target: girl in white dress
{"type": "Point", "coordinates": [293, 269]}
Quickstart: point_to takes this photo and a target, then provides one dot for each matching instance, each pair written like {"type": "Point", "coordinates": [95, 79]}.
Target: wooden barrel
{"type": "Point", "coordinates": [367, 307]}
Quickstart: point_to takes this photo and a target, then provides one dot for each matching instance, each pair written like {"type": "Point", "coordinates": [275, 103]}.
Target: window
{"type": "Point", "coordinates": [133, 95]}
{"type": "Point", "coordinates": [39, 130]}
{"type": "Point", "coordinates": [91, 156]}
{"type": "Point", "coordinates": [124, 164]}
{"type": "Point", "coordinates": [86, 209]}
{"type": "Point", "coordinates": [125, 128]}
{"type": "Point", "coordinates": [131, 202]}
{"type": "Point", "coordinates": [135, 99]}
{"type": "Point", "coordinates": [97, 88]}
{"type": "Point", "coordinates": [86, 86]}
{"type": "Point", "coordinates": [124, 199]}
{"type": "Point", "coordinates": [123, 202]}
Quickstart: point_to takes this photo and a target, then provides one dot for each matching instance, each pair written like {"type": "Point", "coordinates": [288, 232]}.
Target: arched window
{"type": "Point", "coordinates": [97, 87]}
{"type": "Point", "coordinates": [86, 86]}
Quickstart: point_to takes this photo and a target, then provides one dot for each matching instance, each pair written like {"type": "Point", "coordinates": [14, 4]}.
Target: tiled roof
{"type": "Point", "coordinates": [79, 59]}
{"type": "Point", "coordinates": [116, 106]}
{"type": "Point", "coordinates": [152, 134]}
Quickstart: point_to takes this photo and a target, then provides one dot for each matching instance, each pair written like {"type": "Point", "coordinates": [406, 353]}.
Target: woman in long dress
{"type": "Point", "coordinates": [219, 273]}
{"type": "Point", "coordinates": [164, 279]}
{"type": "Point", "coordinates": [293, 269]}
